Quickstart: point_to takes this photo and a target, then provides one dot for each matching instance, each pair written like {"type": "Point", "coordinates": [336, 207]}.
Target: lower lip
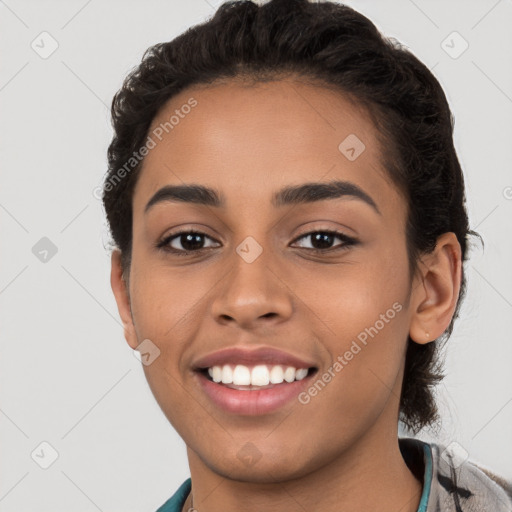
{"type": "Point", "coordinates": [252, 403]}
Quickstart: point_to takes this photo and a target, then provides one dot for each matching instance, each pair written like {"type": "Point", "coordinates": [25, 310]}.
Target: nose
{"type": "Point", "coordinates": [253, 294]}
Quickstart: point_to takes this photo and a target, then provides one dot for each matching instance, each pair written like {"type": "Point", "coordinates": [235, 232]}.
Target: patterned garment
{"type": "Point", "coordinates": [451, 482]}
{"type": "Point", "coordinates": [454, 483]}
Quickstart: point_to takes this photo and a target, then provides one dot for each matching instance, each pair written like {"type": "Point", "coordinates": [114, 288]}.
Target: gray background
{"type": "Point", "coordinates": [67, 377]}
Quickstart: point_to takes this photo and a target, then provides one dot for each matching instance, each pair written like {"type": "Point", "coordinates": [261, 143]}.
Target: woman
{"type": "Point", "coordinates": [289, 215]}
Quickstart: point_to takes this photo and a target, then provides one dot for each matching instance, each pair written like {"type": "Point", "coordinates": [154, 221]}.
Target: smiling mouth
{"type": "Point", "coordinates": [253, 390]}
{"type": "Point", "coordinates": [256, 377]}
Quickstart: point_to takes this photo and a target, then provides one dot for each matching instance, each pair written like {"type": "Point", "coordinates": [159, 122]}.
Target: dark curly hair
{"type": "Point", "coordinates": [333, 45]}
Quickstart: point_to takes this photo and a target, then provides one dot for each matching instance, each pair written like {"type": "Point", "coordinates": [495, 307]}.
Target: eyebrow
{"type": "Point", "coordinates": [290, 195]}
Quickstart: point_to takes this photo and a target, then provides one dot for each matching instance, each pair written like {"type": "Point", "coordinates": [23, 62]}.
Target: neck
{"type": "Point", "coordinates": [372, 475]}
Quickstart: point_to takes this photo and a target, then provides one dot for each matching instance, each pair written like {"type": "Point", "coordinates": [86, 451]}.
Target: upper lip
{"type": "Point", "coordinates": [240, 355]}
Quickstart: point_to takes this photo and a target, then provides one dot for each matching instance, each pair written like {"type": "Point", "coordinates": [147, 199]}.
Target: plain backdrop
{"type": "Point", "coordinates": [67, 377]}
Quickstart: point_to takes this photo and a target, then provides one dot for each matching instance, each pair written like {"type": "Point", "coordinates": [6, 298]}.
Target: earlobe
{"type": "Point", "coordinates": [119, 287]}
{"type": "Point", "coordinates": [435, 298]}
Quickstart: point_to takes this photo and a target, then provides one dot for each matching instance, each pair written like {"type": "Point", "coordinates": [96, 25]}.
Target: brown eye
{"type": "Point", "coordinates": [322, 241]}
{"type": "Point", "coordinates": [184, 242]}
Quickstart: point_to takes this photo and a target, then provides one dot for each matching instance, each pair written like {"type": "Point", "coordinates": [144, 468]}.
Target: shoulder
{"type": "Point", "coordinates": [460, 483]}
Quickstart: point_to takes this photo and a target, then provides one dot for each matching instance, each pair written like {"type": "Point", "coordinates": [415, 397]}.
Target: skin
{"type": "Point", "coordinates": [340, 451]}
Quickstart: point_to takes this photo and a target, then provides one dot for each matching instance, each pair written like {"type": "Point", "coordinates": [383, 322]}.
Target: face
{"type": "Point", "coordinates": [323, 279]}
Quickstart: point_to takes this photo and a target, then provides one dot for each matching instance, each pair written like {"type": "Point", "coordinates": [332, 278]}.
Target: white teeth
{"type": "Point", "coordinates": [276, 375]}
{"type": "Point", "coordinates": [241, 375]}
{"type": "Point", "coordinates": [259, 375]}
{"type": "Point", "coordinates": [289, 374]}
{"type": "Point", "coordinates": [216, 373]}
{"type": "Point", "coordinates": [301, 373]}
{"type": "Point", "coordinates": [227, 374]}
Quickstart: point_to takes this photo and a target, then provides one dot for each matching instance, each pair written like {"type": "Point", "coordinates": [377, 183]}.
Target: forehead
{"type": "Point", "coordinates": [249, 140]}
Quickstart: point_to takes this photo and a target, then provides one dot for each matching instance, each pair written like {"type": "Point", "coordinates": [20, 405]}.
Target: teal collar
{"type": "Point", "coordinates": [427, 478]}
{"type": "Point", "coordinates": [176, 502]}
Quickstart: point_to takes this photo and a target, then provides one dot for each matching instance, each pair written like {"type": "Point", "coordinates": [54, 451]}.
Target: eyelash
{"type": "Point", "coordinates": [348, 242]}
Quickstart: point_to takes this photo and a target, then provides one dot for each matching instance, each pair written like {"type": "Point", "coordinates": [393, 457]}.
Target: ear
{"type": "Point", "coordinates": [435, 295]}
{"type": "Point", "coordinates": [122, 297]}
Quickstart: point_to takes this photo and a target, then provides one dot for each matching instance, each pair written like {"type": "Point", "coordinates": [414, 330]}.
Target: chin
{"type": "Point", "coordinates": [252, 465]}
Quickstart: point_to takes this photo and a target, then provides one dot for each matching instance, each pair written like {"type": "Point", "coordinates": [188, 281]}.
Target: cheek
{"type": "Point", "coordinates": [360, 311]}
{"type": "Point", "coordinates": [363, 378]}
{"type": "Point", "coordinates": [348, 298]}
{"type": "Point", "coordinates": [164, 299]}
